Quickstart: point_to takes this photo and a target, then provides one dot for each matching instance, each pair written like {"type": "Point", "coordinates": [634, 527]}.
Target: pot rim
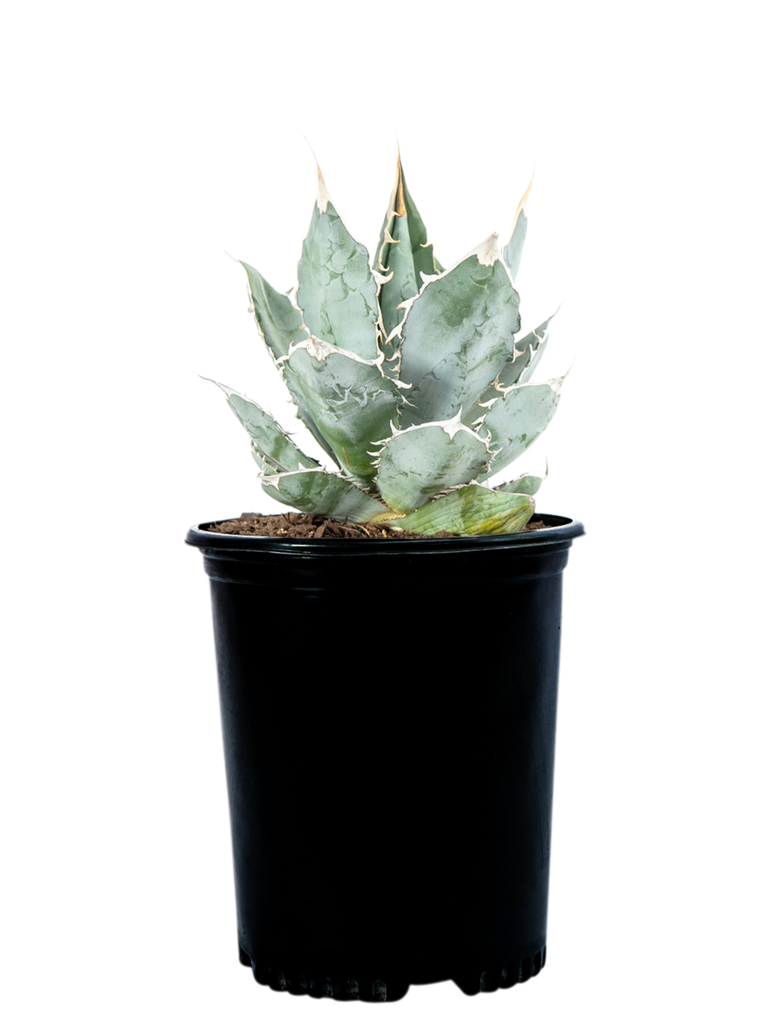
{"type": "Point", "coordinates": [560, 530]}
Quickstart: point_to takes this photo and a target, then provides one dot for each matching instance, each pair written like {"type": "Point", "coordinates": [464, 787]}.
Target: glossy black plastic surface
{"type": "Point", "coordinates": [388, 711]}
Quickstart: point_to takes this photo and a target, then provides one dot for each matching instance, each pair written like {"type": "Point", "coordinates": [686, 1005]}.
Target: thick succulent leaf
{"type": "Point", "coordinates": [529, 483]}
{"type": "Point", "coordinates": [403, 255]}
{"type": "Point", "coordinates": [456, 336]}
{"type": "Point", "coordinates": [337, 290]}
{"type": "Point", "coordinates": [532, 346]}
{"type": "Point", "coordinates": [517, 419]}
{"type": "Point", "coordinates": [279, 321]}
{"type": "Point", "coordinates": [350, 399]}
{"type": "Point", "coordinates": [271, 443]}
{"type": "Point", "coordinates": [322, 494]}
{"type": "Point", "coordinates": [281, 325]}
{"type": "Point", "coordinates": [523, 480]}
{"type": "Point", "coordinates": [285, 472]}
{"type": "Point", "coordinates": [469, 511]}
{"type": "Point", "coordinates": [517, 370]}
{"type": "Point", "coordinates": [513, 250]}
{"type": "Point", "coordinates": [418, 463]}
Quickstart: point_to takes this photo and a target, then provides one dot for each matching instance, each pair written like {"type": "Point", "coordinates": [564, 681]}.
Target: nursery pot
{"type": "Point", "coordinates": [388, 710]}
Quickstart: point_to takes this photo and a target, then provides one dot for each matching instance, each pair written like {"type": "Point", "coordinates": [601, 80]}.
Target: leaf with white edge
{"type": "Point", "coordinates": [523, 480]}
{"type": "Point", "coordinates": [350, 399]}
{"type": "Point", "coordinates": [269, 439]}
{"type": "Point", "coordinates": [316, 492]}
{"type": "Point", "coordinates": [469, 511]}
{"type": "Point", "coordinates": [280, 322]}
{"type": "Point", "coordinates": [419, 462]}
{"type": "Point", "coordinates": [533, 346]}
{"type": "Point", "coordinates": [337, 290]}
{"type": "Point", "coordinates": [517, 370]}
{"type": "Point", "coordinates": [281, 325]}
{"type": "Point", "coordinates": [513, 250]}
{"type": "Point", "coordinates": [530, 483]}
{"type": "Point", "coordinates": [516, 419]}
{"type": "Point", "coordinates": [457, 334]}
{"type": "Point", "coordinates": [403, 256]}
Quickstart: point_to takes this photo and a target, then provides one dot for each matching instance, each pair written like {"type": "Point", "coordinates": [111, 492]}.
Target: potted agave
{"type": "Point", "coordinates": [388, 705]}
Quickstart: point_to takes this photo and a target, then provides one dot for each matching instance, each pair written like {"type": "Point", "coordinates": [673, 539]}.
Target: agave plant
{"type": "Point", "coordinates": [412, 378]}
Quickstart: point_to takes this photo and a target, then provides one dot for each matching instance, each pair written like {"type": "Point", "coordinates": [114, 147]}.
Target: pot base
{"type": "Point", "coordinates": [378, 990]}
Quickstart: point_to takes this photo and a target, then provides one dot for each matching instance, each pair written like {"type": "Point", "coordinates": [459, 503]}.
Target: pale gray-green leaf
{"type": "Point", "coordinates": [316, 493]}
{"type": "Point", "coordinates": [281, 325]}
{"type": "Point", "coordinates": [420, 462]}
{"type": "Point", "coordinates": [337, 290]}
{"type": "Point", "coordinates": [522, 417]}
{"type": "Point", "coordinates": [517, 370]}
{"type": "Point", "coordinates": [276, 321]}
{"type": "Point", "coordinates": [261, 425]}
{"type": "Point", "coordinates": [352, 402]}
{"type": "Point", "coordinates": [532, 346]}
{"type": "Point", "coordinates": [457, 335]}
{"type": "Point", "coordinates": [403, 249]}
{"type": "Point", "coordinates": [519, 225]}
{"type": "Point", "coordinates": [529, 483]}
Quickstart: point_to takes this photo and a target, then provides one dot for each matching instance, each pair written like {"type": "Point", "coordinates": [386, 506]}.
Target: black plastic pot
{"type": "Point", "coordinates": [388, 710]}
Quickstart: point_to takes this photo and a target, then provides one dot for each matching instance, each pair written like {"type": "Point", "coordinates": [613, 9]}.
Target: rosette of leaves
{"type": "Point", "coordinates": [417, 381]}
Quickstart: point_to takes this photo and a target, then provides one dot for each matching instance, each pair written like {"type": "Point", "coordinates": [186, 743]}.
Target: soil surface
{"type": "Point", "coordinates": [296, 524]}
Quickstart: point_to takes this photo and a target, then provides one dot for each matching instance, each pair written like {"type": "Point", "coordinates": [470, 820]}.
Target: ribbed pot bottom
{"type": "Point", "coordinates": [388, 990]}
